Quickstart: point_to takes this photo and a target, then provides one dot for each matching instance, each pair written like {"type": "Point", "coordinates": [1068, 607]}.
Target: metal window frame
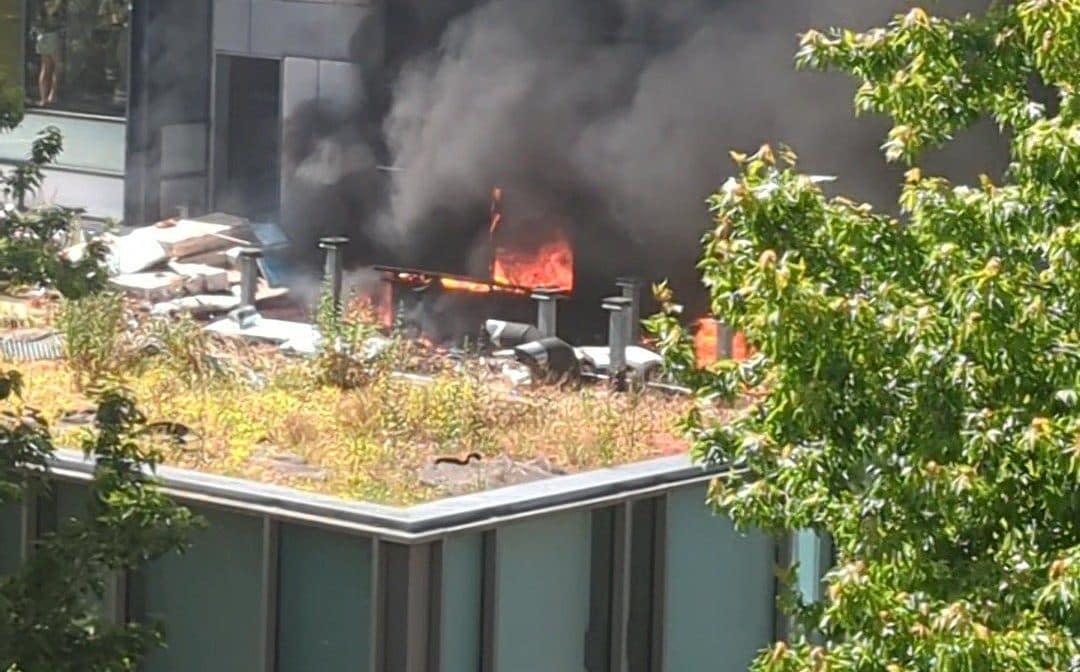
{"type": "Point", "coordinates": [489, 585]}
{"type": "Point", "coordinates": [270, 591]}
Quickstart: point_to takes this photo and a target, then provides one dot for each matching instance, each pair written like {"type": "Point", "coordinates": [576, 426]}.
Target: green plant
{"type": "Point", "coordinates": [342, 358]}
{"type": "Point", "coordinates": [920, 375]}
{"type": "Point", "coordinates": [49, 613]}
{"type": "Point", "coordinates": [185, 348]}
{"type": "Point", "coordinates": [32, 241]}
{"type": "Point", "coordinates": [93, 329]}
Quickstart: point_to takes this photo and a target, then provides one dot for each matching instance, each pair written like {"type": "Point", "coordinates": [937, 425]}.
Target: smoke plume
{"type": "Point", "coordinates": [616, 115]}
{"type": "Point", "coordinates": [621, 114]}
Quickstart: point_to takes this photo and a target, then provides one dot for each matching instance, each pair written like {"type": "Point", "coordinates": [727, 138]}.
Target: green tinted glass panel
{"type": "Point", "coordinates": [209, 599]}
{"type": "Point", "coordinates": [324, 620]}
{"type": "Point", "coordinates": [462, 585]}
{"type": "Point", "coordinates": [10, 537]}
{"type": "Point", "coordinates": [809, 551]}
{"type": "Point", "coordinates": [71, 502]}
{"type": "Point", "coordinates": [89, 144]}
{"type": "Point", "coordinates": [542, 594]}
{"type": "Point", "coordinates": [718, 609]}
{"type": "Point", "coordinates": [10, 41]}
{"type": "Point", "coordinates": [72, 505]}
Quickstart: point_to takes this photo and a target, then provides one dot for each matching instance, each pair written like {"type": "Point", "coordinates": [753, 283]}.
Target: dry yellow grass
{"type": "Point", "coordinates": [368, 443]}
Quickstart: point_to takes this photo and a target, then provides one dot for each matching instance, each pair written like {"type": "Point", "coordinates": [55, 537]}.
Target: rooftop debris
{"type": "Point", "coordinates": [190, 264]}
{"type": "Point", "coordinates": [420, 421]}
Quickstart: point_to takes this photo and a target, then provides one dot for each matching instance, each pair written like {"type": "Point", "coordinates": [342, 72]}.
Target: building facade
{"type": "Point", "coordinates": [618, 570]}
{"type": "Point", "coordinates": [168, 104]}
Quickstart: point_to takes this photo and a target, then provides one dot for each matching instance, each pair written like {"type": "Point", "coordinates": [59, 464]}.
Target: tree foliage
{"type": "Point", "coordinates": [920, 376]}
{"type": "Point", "coordinates": [32, 239]}
{"type": "Point", "coordinates": [51, 613]}
{"type": "Point", "coordinates": [51, 610]}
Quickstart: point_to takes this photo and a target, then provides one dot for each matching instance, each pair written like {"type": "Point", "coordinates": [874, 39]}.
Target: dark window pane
{"type": "Point", "coordinates": [324, 620]}
{"type": "Point", "coordinates": [462, 587]}
{"type": "Point", "coordinates": [10, 42]}
{"type": "Point", "coordinates": [77, 55]}
{"type": "Point", "coordinates": [602, 573]}
{"type": "Point", "coordinates": [10, 537]}
{"type": "Point", "coordinates": [209, 599]}
{"type": "Point", "coordinates": [641, 622]}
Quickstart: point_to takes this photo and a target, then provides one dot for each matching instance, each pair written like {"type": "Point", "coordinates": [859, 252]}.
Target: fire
{"type": "Point", "coordinates": [373, 307]}
{"type": "Point", "coordinates": [707, 338]}
{"type": "Point", "coordinates": [549, 265]}
{"type": "Point", "coordinates": [385, 305]}
{"type": "Point", "coordinates": [466, 285]}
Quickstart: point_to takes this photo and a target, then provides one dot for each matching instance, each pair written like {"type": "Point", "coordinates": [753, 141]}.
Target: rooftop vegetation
{"type": "Point", "coordinates": [401, 427]}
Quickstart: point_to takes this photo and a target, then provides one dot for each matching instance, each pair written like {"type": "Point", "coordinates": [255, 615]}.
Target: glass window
{"type": "Point", "coordinates": [324, 617]}
{"type": "Point", "coordinates": [77, 55]}
{"type": "Point", "coordinates": [210, 599]}
{"type": "Point", "coordinates": [719, 604]}
{"type": "Point", "coordinates": [10, 41]}
{"type": "Point", "coordinates": [542, 594]}
{"type": "Point", "coordinates": [462, 602]}
{"type": "Point", "coordinates": [10, 537]}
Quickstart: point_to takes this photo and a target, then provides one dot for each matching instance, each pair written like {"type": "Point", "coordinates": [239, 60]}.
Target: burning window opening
{"type": "Point", "coordinates": [540, 256]}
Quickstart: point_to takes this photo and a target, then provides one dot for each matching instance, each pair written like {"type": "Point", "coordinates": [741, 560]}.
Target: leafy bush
{"type": "Point", "coordinates": [185, 348]}
{"type": "Point", "coordinates": [341, 359]}
{"type": "Point", "coordinates": [93, 330]}
{"type": "Point", "coordinates": [49, 618]}
{"type": "Point", "coordinates": [32, 240]}
{"type": "Point", "coordinates": [920, 375]}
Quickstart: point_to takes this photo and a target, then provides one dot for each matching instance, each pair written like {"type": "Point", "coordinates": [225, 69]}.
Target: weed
{"type": "Point", "coordinates": [185, 348]}
{"type": "Point", "coordinates": [344, 359]}
{"type": "Point", "coordinates": [93, 332]}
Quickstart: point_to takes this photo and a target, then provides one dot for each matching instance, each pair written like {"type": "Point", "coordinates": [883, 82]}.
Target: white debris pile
{"type": "Point", "coordinates": [184, 264]}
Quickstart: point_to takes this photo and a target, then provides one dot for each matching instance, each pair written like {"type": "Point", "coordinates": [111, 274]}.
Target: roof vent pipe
{"type": "Point", "coordinates": [249, 274]}
{"type": "Point", "coordinates": [547, 309]}
{"type": "Point", "coordinates": [619, 308]}
{"type": "Point", "coordinates": [631, 289]}
{"type": "Point", "coordinates": [333, 269]}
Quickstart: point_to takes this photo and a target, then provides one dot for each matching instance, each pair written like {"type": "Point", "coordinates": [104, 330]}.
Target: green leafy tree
{"type": "Point", "coordinates": [51, 615]}
{"type": "Point", "coordinates": [32, 239]}
{"type": "Point", "coordinates": [918, 378]}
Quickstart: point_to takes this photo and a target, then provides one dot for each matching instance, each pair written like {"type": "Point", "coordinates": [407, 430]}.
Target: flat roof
{"type": "Point", "coordinates": [422, 522]}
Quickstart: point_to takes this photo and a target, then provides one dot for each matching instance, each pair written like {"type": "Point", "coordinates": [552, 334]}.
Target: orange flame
{"type": "Point", "coordinates": [706, 338]}
{"type": "Point", "coordinates": [550, 266]}
{"type": "Point", "coordinates": [466, 285]}
{"type": "Point", "coordinates": [385, 306]}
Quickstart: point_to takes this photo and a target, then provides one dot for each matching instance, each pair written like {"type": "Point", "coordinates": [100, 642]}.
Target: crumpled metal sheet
{"type": "Point", "coordinates": [35, 349]}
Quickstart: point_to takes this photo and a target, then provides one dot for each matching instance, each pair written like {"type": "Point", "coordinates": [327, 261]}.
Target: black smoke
{"type": "Point", "coordinates": [617, 115]}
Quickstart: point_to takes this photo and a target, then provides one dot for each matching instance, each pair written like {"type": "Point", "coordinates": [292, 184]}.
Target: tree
{"type": "Point", "coordinates": [918, 378]}
{"type": "Point", "coordinates": [32, 239]}
{"type": "Point", "coordinates": [50, 610]}
{"type": "Point", "coordinates": [51, 617]}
